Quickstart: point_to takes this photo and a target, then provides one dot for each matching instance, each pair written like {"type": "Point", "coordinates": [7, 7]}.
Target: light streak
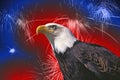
{"type": "Point", "coordinates": [107, 34]}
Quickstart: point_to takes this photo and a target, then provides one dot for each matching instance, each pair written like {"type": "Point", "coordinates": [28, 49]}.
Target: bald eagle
{"type": "Point", "coordinates": [79, 60]}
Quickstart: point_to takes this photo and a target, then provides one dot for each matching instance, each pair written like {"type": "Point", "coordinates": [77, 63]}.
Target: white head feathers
{"type": "Point", "coordinates": [61, 38]}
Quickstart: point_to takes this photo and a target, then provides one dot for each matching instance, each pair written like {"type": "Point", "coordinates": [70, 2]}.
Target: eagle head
{"type": "Point", "coordinates": [59, 36]}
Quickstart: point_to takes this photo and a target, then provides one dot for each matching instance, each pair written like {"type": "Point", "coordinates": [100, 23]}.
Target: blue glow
{"type": "Point", "coordinates": [12, 50]}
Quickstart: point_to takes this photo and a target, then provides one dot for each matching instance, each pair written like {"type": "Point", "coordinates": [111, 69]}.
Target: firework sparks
{"type": "Point", "coordinates": [7, 22]}
{"type": "Point", "coordinates": [48, 69]}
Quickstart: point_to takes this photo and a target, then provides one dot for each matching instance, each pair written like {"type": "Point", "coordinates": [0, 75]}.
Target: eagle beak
{"type": "Point", "coordinates": [41, 29]}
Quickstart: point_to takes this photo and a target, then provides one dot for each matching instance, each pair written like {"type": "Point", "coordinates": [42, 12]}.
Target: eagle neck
{"type": "Point", "coordinates": [63, 42]}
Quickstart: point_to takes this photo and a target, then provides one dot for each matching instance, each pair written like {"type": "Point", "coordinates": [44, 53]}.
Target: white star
{"type": "Point", "coordinates": [12, 50]}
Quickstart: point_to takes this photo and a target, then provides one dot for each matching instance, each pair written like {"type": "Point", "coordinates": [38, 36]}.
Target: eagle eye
{"type": "Point", "coordinates": [53, 27]}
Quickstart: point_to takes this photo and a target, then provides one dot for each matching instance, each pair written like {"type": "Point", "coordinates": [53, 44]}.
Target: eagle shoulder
{"type": "Point", "coordinates": [97, 58]}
